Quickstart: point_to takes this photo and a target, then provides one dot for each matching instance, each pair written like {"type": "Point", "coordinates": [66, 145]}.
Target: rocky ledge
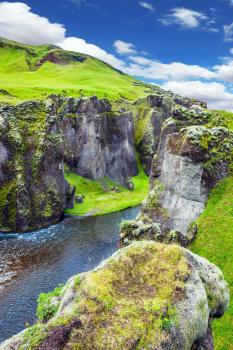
{"type": "Point", "coordinates": [146, 296]}
{"type": "Point", "coordinates": [190, 160]}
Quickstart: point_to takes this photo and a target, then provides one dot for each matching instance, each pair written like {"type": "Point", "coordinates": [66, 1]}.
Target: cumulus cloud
{"type": "Point", "coordinates": [19, 23]}
{"type": "Point", "coordinates": [152, 69]}
{"type": "Point", "coordinates": [80, 45]}
{"type": "Point", "coordinates": [215, 94]}
{"type": "Point", "coordinates": [124, 48]}
{"type": "Point", "coordinates": [147, 5]}
{"type": "Point", "coordinates": [184, 17]}
{"type": "Point", "coordinates": [225, 71]}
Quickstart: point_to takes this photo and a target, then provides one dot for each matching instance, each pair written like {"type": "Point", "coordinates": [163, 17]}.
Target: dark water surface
{"type": "Point", "coordinates": [37, 262]}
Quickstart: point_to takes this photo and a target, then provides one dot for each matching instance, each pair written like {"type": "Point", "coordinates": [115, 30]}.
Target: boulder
{"type": "Point", "coordinates": [146, 296]}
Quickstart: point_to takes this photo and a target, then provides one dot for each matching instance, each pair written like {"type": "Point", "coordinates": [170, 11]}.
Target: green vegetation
{"type": "Point", "coordinates": [215, 242]}
{"type": "Point", "coordinates": [29, 72]}
{"type": "Point", "coordinates": [46, 308]}
{"type": "Point", "coordinates": [99, 199]}
{"type": "Point", "coordinates": [142, 295]}
{"type": "Point", "coordinates": [222, 118]}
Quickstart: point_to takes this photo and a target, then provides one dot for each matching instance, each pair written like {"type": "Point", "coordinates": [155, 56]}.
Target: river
{"type": "Point", "coordinates": [37, 262]}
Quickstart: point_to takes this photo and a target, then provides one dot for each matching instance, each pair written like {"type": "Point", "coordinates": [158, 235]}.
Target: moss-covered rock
{"type": "Point", "coordinates": [32, 185]}
{"type": "Point", "coordinates": [38, 137]}
{"type": "Point", "coordinates": [189, 163]}
{"type": "Point", "coordinates": [146, 296]}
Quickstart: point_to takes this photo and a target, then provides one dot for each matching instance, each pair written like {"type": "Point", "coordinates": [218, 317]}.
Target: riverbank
{"type": "Point", "coordinates": [36, 262]}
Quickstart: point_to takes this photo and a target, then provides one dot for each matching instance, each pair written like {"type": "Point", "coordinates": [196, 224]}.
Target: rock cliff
{"type": "Point", "coordinates": [38, 138]}
{"type": "Point", "coordinates": [153, 297]}
{"type": "Point", "coordinates": [190, 160]}
{"type": "Point", "coordinates": [150, 113]}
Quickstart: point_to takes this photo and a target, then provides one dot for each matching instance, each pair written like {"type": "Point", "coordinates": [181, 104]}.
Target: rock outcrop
{"type": "Point", "coordinates": [151, 113]}
{"type": "Point", "coordinates": [146, 296]}
{"type": "Point", "coordinates": [38, 138]}
{"type": "Point", "coordinates": [33, 191]}
{"type": "Point", "coordinates": [98, 141]}
{"type": "Point", "coordinates": [189, 162]}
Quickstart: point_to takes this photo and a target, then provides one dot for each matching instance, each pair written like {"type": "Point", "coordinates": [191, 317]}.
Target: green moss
{"type": "Point", "coordinates": [222, 118]}
{"type": "Point", "coordinates": [152, 201]}
{"type": "Point", "coordinates": [33, 336]}
{"type": "Point", "coordinates": [8, 206]}
{"type": "Point", "coordinates": [46, 308]}
{"type": "Point", "coordinates": [126, 296]}
{"type": "Point", "coordinates": [133, 304]}
{"type": "Point", "coordinates": [215, 242]}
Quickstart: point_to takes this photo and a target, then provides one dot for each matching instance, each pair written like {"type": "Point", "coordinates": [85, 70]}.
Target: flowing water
{"type": "Point", "coordinates": [37, 262]}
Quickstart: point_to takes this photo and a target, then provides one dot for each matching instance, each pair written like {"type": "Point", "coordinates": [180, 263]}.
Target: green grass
{"type": "Point", "coordinates": [99, 199]}
{"type": "Point", "coordinates": [222, 118]}
{"type": "Point", "coordinates": [21, 79]}
{"type": "Point", "coordinates": [215, 242]}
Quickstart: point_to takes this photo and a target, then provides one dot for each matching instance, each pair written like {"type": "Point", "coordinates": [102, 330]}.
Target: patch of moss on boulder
{"type": "Point", "coordinates": [145, 296]}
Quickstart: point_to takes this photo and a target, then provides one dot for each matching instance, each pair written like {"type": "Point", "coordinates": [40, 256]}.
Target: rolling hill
{"type": "Point", "coordinates": [28, 72]}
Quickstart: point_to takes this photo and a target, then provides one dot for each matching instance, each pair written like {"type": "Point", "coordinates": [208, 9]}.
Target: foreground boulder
{"type": "Point", "coordinates": [146, 296]}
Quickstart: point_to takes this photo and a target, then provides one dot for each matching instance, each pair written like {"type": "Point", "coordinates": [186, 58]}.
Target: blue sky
{"type": "Point", "coordinates": [184, 46]}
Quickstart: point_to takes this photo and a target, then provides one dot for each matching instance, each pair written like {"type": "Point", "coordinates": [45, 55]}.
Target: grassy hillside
{"type": "Point", "coordinates": [215, 242]}
{"type": "Point", "coordinates": [28, 72]}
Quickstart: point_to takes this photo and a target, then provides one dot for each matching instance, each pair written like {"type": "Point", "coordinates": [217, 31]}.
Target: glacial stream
{"type": "Point", "coordinates": [37, 262]}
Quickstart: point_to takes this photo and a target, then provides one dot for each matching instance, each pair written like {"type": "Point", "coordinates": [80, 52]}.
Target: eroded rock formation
{"type": "Point", "coordinates": [190, 160]}
{"type": "Point", "coordinates": [38, 138]}
{"type": "Point", "coordinates": [146, 296]}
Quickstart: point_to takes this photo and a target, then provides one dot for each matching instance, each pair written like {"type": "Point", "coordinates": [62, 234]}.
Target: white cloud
{"type": "Point", "coordinates": [18, 23]}
{"type": "Point", "coordinates": [147, 5]}
{"type": "Point", "coordinates": [184, 17]}
{"type": "Point", "coordinates": [225, 71]}
{"type": "Point", "coordinates": [124, 48]}
{"type": "Point", "coordinates": [228, 32]}
{"type": "Point", "coordinates": [80, 45]}
{"type": "Point", "coordinates": [213, 93]}
{"type": "Point", "coordinates": [156, 70]}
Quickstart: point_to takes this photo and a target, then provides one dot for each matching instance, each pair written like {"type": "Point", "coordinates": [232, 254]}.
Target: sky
{"type": "Point", "coordinates": [185, 46]}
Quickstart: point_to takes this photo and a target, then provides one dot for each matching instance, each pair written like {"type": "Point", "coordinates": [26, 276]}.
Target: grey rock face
{"type": "Point", "coordinates": [100, 145]}
{"type": "Point", "coordinates": [184, 196]}
{"type": "Point", "coordinates": [38, 138]}
{"type": "Point", "coordinates": [151, 114]}
{"type": "Point", "coordinates": [188, 164]}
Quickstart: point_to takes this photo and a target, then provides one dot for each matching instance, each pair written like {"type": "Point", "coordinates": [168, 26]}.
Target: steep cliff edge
{"type": "Point", "coordinates": [189, 162]}
{"type": "Point", "coordinates": [151, 112]}
{"type": "Point", "coordinates": [153, 296]}
{"type": "Point", "coordinates": [38, 138]}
